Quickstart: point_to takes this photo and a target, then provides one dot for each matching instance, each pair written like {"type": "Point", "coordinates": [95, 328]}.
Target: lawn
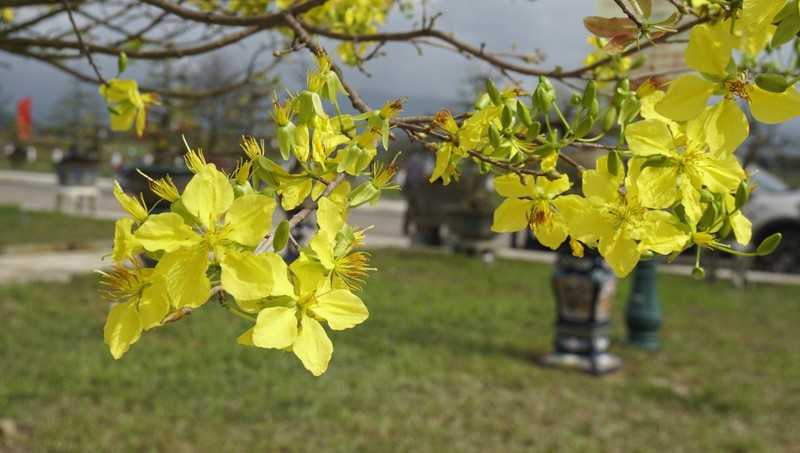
{"type": "Point", "coordinates": [446, 363]}
{"type": "Point", "coordinates": [22, 227]}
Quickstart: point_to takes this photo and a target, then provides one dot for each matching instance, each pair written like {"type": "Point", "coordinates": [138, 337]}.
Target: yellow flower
{"type": "Point", "coordinates": [665, 170]}
{"type": "Point", "coordinates": [292, 320]}
{"type": "Point", "coordinates": [126, 104]}
{"type": "Point", "coordinates": [533, 204]}
{"type": "Point", "coordinates": [709, 52]}
{"type": "Point", "coordinates": [141, 302]}
{"type": "Point", "coordinates": [331, 252]}
{"type": "Point", "coordinates": [224, 229]}
{"type": "Point", "coordinates": [618, 223]}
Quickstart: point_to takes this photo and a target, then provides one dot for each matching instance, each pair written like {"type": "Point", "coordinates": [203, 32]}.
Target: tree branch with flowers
{"type": "Point", "coordinates": [668, 178]}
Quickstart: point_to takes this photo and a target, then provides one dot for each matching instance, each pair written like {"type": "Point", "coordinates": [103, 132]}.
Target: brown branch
{"type": "Point", "coordinates": [115, 50]}
{"type": "Point", "coordinates": [262, 21]}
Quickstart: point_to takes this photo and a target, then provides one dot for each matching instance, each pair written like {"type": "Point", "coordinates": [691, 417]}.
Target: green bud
{"type": "Point", "coordinates": [742, 194]}
{"type": "Point", "coordinates": [709, 216]}
{"type": "Point", "coordinates": [482, 102]}
{"type": "Point", "coordinates": [533, 131]}
{"type": "Point", "coordinates": [589, 94]}
{"type": "Point", "coordinates": [506, 118]}
{"type": "Point", "coordinates": [494, 136]}
{"type": "Point", "coordinates": [545, 82]}
{"type": "Point", "coordinates": [524, 114]}
{"type": "Point", "coordinates": [542, 100]}
{"type": "Point", "coordinates": [614, 162]}
{"type": "Point", "coordinates": [629, 108]}
{"type": "Point", "coordinates": [281, 237]}
{"type": "Point", "coordinates": [725, 229]}
{"type": "Point", "coordinates": [594, 108]}
{"type": "Point", "coordinates": [773, 83]}
{"type": "Point", "coordinates": [494, 93]}
{"type": "Point", "coordinates": [698, 273]}
{"type": "Point", "coordinates": [659, 161]}
{"type": "Point", "coordinates": [620, 92]}
{"type": "Point", "coordinates": [310, 106]}
{"type": "Point", "coordinates": [545, 149]}
{"type": "Point", "coordinates": [705, 195]}
{"type": "Point", "coordinates": [611, 117]}
{"type": "Point", "coordinates": [575, 99]}
{"type": "Point", "coordinates": [122, 62]}
{"type": "Point", "coordinates": [787, 29]}
{"type": "Point", "coordinates": [769, 244]}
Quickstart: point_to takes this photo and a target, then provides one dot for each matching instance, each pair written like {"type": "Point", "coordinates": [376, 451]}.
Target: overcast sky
{"type": "Point", "coordinates": [430, 80]}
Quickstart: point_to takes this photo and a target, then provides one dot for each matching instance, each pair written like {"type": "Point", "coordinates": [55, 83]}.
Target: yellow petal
{"type": "Point", "coordinates": [510, 186]}
{"type": "Point", "coordinates": [600, 183]}
{"type": "Point", "coordinates": [185, 273]}
{"type": "Point", "coordinates": [312, 346]}
{"type": "Point", "coordinates": [709, 50]}
{"type": "Point", "coordinates": [649, 137]}
{"type": "Point", "coordinates": [686, 98]}
{"type": "Point", "coordinates": [548, 188]}
{"type": "Point", "coordinates": [246, 276]}
{"type": "Point", "coordinates": [756, 23]}
{"type": "Point", "coordinates": [341, 309]}
{"type": "Point", "coordinates": [511, 215]}
{"type": "Point", "coordinates": [130, 204]}
{"type": "Point", "coordinates": [123, 328]}
{"type": "Point", "coordinates": [166, 232]}
{"type": "Point", "coordinates": [208, 195]}
{"type": "Point", "coordinates": [724, 127]}
{"type": "Point", "coordinates": [553, 235]}
{"type": "Point", "coordinates": [773, 108]}
{"type": "Point", "coordinates": [662, 236]}
{"type": "Point", "coordinates": [246, 338]}
{"type": "Point", "coordinates": [125, 244]}
{"type": "Point", "coordinates": [723, 175]}
{"type": "Point", "coordinates": [154, 304]}
{"type": "Point", "coordinates": [249, 219]}
{"type": "Point", "coordinates": [329, 217]}
{"type": "Point", "coordinates": [657, 186]}
{"type": "Point", "coordinates": [276, 327]}
{"type": "Point", "coordinates": [620, 252]}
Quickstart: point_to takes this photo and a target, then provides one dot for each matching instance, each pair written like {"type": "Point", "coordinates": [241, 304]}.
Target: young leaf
{"type": "Point", "coordinates": [610, 27]}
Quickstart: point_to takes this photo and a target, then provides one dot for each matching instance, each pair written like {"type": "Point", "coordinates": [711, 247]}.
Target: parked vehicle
{"type": "Point", "coordinates": [774, 207]}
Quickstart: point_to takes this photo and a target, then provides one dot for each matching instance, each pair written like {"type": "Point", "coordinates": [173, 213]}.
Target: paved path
{"type": "Point", "coordinates": [37, 191]}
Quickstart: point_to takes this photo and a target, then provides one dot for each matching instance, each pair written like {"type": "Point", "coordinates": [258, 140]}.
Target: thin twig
{"type": "Point", "coordinates": [83, 47]}
{"type": "Point", "coordinates": [628, 13]}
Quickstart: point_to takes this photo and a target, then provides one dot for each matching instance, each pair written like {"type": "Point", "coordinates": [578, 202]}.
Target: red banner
{"type": "Point", "coordinates": [24, 108]}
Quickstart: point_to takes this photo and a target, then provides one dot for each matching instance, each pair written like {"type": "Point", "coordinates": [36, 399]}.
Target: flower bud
{"type": "Point", "coordinates": [589, 94]}
{"type": "Point", "coordinates": [769, 244]}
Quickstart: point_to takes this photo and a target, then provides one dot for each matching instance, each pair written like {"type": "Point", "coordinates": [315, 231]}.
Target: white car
{"type": "Point", "coordinates": [775, 208]}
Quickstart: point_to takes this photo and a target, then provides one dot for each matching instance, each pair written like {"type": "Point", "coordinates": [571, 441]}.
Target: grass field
{"type": "Point", "coordinates": [18, 227]}
{"type": "Point", "coordinates": [446, 363]}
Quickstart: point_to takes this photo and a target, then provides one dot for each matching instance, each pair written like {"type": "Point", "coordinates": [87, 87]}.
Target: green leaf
{"type": "Point", "coordinates": [774, 83]}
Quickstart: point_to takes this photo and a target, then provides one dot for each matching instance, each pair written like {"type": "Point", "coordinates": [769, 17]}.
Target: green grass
{"type": "Point", "coordinates": [446, 362]}
{"type": "Point", "coordinates": [18, 227]}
